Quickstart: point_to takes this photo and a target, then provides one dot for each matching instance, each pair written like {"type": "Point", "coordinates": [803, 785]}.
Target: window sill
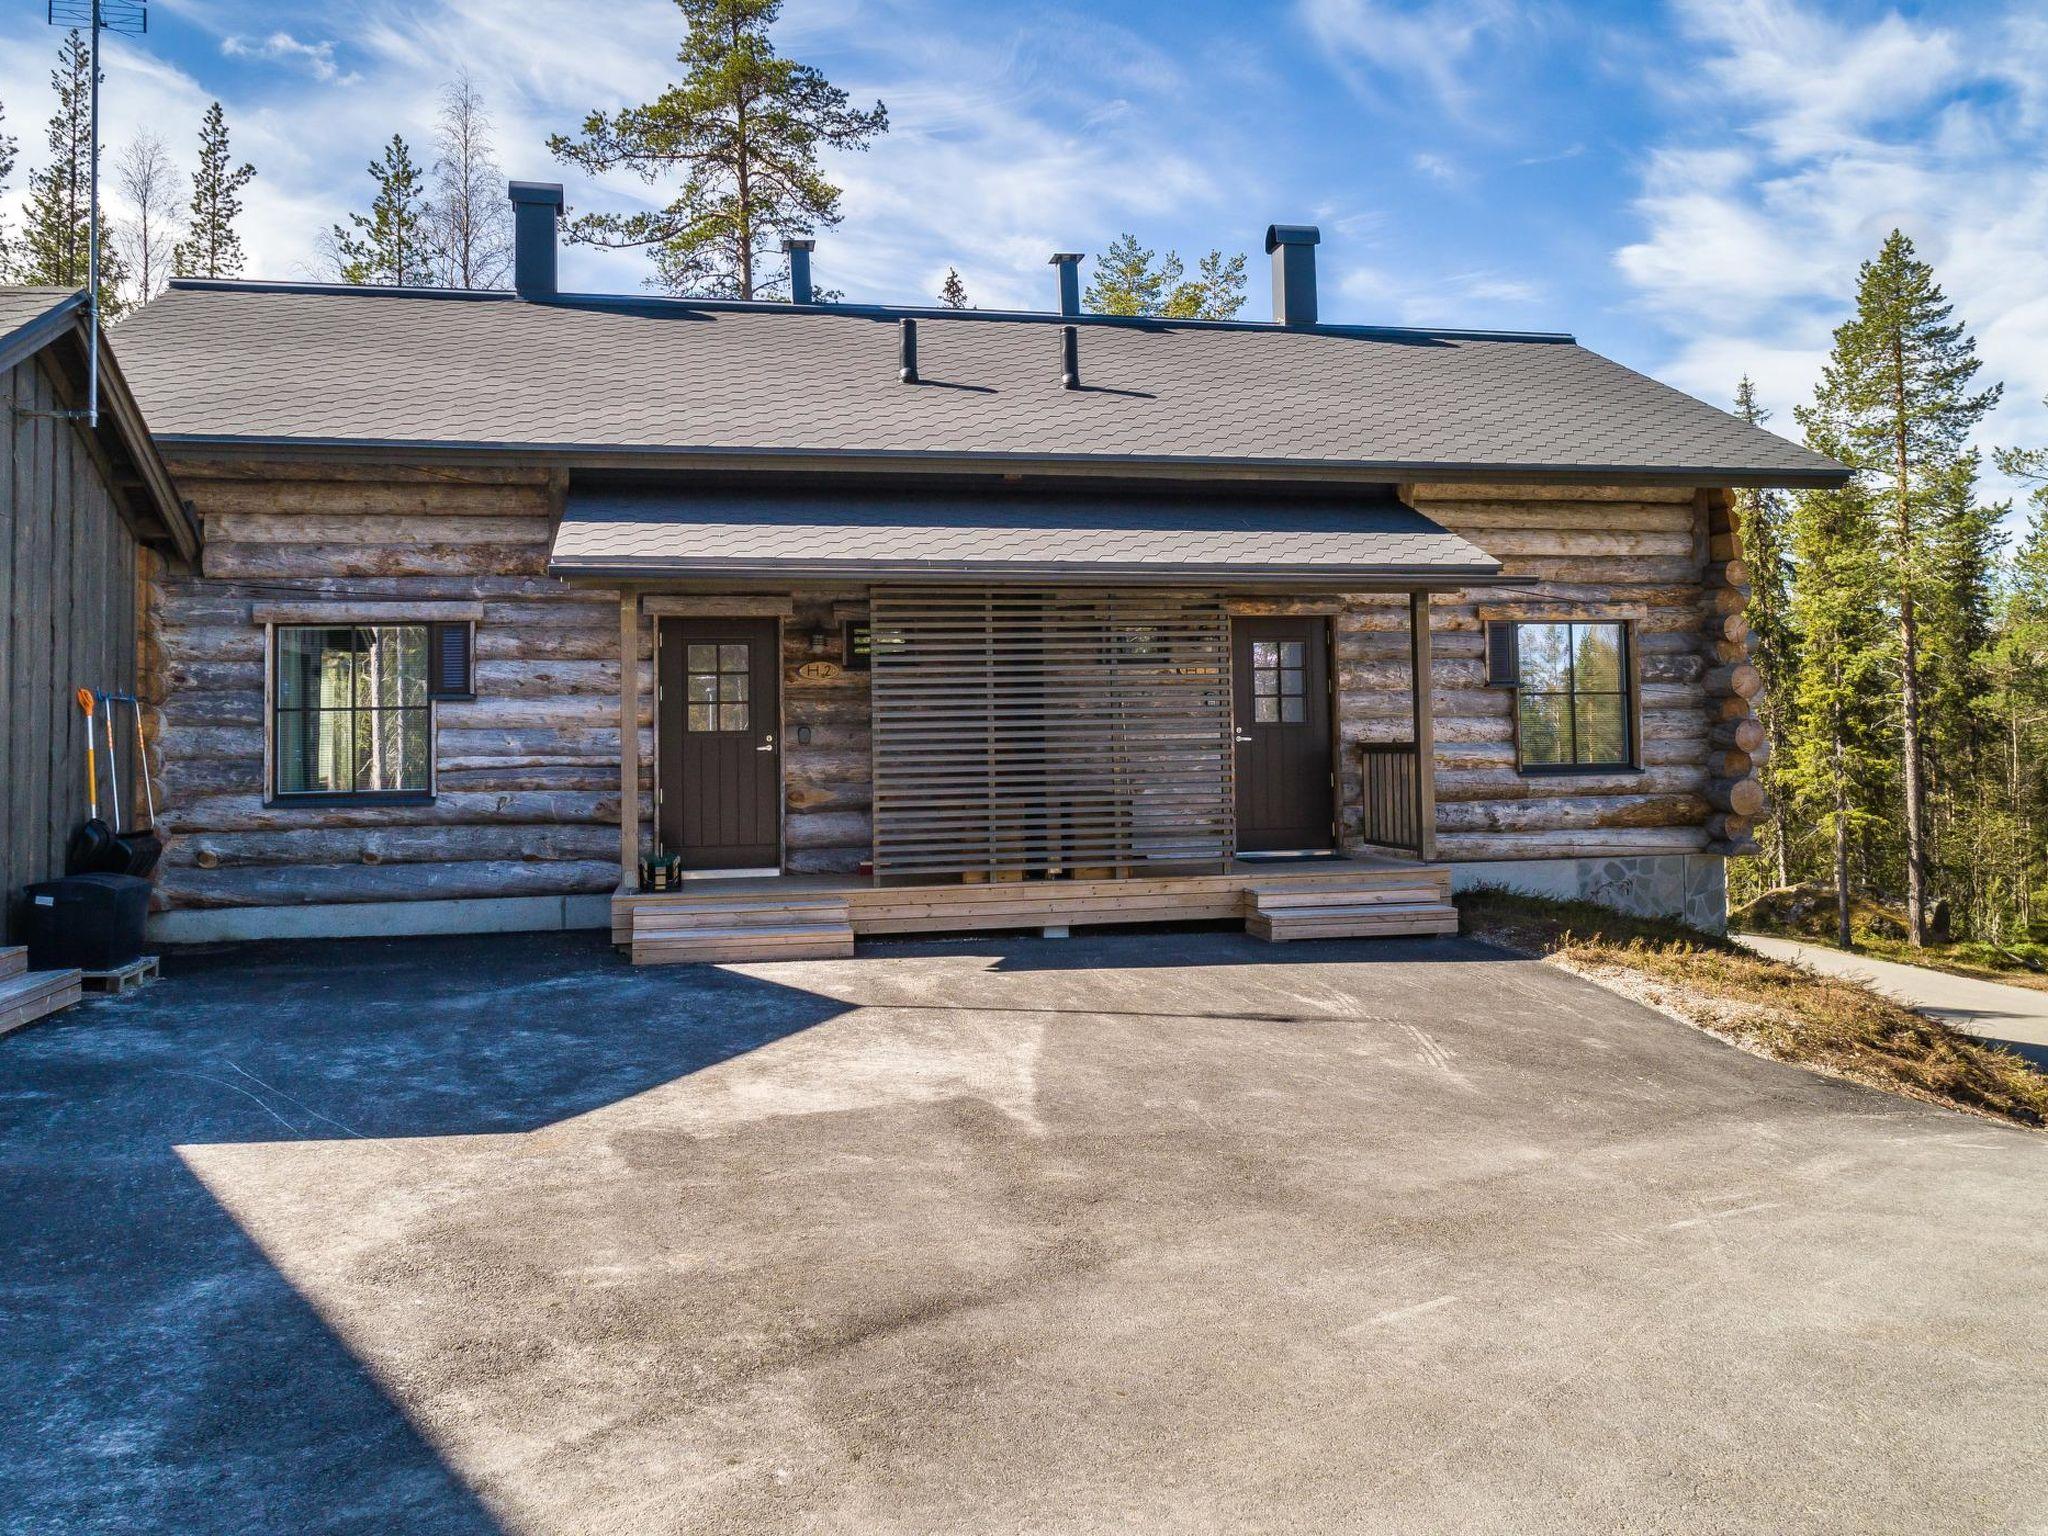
{"type": "Point", "coordinates": [1573, 770]}
{"type": "Point", "coordinates": [317, 801]}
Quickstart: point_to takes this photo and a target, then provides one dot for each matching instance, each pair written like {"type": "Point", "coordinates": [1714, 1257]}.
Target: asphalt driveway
{"type": "Point", "coordinates": [1174, 1232]}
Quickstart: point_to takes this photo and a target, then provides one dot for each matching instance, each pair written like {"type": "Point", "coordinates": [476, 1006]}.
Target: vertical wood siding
{"type": "Point", "coordinates": [68, 577]}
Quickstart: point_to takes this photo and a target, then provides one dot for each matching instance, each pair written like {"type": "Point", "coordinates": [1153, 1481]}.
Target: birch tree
{"type": "Point", "coordinates": [469, 219]}
{"type": "Point", "coordinates": [149, 182]}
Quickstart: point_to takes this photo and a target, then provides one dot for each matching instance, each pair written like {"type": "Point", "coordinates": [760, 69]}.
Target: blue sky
{"type": "Point", "coordinates": [1687, 186]}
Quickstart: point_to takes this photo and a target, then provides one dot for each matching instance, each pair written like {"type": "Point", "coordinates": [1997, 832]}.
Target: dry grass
{"type": "Point", "coordinates": [1807, 913]}
{"type": "Point", "coordinates": [1765, 1006]}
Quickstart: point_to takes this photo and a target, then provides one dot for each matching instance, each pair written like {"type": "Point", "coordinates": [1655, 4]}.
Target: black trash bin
{"type": "Point", "coordinates": [85, 922]}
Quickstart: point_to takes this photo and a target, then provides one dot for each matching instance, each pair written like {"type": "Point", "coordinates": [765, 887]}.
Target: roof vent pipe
{"type": "Point", "coordinates": [908, 372]}
{"type": "Point", "coordinates": [799, 269]}
{"type": "Point", "coordinates": [1293, 249]}
{"type": "Point", "coordinates": [1069, 263]}
{"type": "Point", "coordinates": [536, 207]}
{"type": "Point", "coordinates": [1070, 357]}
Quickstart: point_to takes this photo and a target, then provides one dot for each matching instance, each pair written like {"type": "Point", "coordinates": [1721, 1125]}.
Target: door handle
{"type": "Point", "coordinates": [1244, 738]}
{"type": "Point", "coordinates": [766, 746]}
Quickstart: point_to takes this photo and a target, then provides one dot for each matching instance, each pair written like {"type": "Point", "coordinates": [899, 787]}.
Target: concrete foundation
{"type": "Point", "coordinates": [382, 919]}
{"type": "Point", "coordinates": [1692, 886]}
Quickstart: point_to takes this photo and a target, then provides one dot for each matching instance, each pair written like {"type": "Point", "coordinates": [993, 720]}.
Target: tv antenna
{"type": "Point", "coordinates": [131, 19]}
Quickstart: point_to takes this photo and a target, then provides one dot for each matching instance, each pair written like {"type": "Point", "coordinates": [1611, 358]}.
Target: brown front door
{"type": "Point", "coordinates": [721, 748]}
{"type": "Point", "coordinates": [1280, 679]}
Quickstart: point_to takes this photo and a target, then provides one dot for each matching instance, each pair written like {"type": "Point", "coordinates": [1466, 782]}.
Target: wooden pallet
{"type": "Point", "coordinates": [722, 931]}
{"type": "Point", "coordinates": [131, 977]}
{"type": "Point", "coordinates": [26, 995]}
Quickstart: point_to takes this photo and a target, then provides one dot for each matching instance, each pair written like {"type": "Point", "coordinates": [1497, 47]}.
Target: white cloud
{"type": "Point", "coordinates": [316, 59]}
{"type": "Point", "coordinates": [1380, 44]}
{"type": "Point", "coordinates": [1785, 175]}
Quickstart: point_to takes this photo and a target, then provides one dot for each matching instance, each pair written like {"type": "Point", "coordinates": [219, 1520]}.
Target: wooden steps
{"type": "Point", "coordinates": [1419, 902]}
{"type": "Point", "coordinates": [27, 995]}
{"type": "Point", "coordinates": [716, 930]}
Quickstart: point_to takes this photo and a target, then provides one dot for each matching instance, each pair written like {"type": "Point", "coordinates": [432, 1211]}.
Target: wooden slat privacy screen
{"type": "Point", "coordinates": [1049, 732]}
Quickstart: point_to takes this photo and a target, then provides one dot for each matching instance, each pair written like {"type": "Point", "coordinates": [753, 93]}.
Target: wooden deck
{"type": "Point", "coordinates": [804, 916]}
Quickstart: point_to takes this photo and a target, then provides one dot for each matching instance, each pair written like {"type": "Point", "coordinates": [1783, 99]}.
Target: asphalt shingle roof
{"type": "Point", "coordinates": [617, 532]}
{"type": "Point", "coordinates": [22, 307]}
{"type": "Point", "coordinates": [292, 364]}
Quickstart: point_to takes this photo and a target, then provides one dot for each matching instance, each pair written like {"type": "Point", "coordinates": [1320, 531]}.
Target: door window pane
{"type": "Point", "coordinates": [717, 684]}
{"type": "Point", "coordinates": [1292, 711]}
{"type": "Point", "coordinates": [1266, 711]}
{"type": "Point", "coordinates": [351, 711]}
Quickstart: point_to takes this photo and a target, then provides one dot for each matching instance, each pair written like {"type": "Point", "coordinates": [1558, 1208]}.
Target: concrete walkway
{"type": "Point", "coordinates": [2016, 1017]}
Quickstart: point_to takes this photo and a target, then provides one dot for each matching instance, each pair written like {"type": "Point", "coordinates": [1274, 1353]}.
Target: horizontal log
{"type": "Point", "coordinates": [1741, 680]}
{"type": "Point", "coordinates": [1723, 827]}
{"type": "Point", "coordinates": [1744, 735]}
{"type": "Point", "coordinates": [200, 466]}
{"type": "Point", "coordinates": [1570, 813]}
{"type": "Point", "coordinates": [500, 642]}
{"type": "Point", "coordinates": [1476, 491]}
{"type": "Point", "coordinates": [1620, 842]}
{"type": "Point", "coordinates": [1728, 573]}
{"type": "Point", "coordinates": [1743, 797]}
{"type": "Point", "coordinates": [828, 829]}
{"type": "Point", "coordinates": [370, 526]}
{"type": "Point", "coordinates": [302, 884]}
{"type": "Point", "coordinates": [532, 678]}
{"type": "Point", "coordinates": [1618, 516]}
{"type": "Point", "coordinates": [393, 845]}
{"type": "Point", "coordinates": [1593, 541]}
{"type": "Point", "coordinates": [248, 813]}
{"type": "Point", "coordinates": [233, 560]}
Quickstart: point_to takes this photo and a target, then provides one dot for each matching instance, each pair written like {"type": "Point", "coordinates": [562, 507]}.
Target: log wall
{"type": "Point", "coordinates": [529, 778]}
{"type": "Point", "coordinates": [527, 775]}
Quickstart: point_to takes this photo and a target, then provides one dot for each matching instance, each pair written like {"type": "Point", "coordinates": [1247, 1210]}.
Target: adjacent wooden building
{"type": "Point", "coordinates": [747, 629]}
{"type": "Point", "coordinates": [87, 513]}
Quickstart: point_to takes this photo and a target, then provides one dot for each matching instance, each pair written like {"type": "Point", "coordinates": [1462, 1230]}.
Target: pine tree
{"type": "Point", "coordinates": [1216, 292]}
{"type": "Point", "coordinates": [1840, 752]}
{"type": "Point", "coordinates": [389, 243]}
{"type": "Point", "coordinates": [1898, 383]}
{"type": "Point", "coordinates": [7, 152]}
{"type": "Point", "coordinates": [1126, 281]}
{"type": "Point", "coordinates": [1761, 516]}
{"type": "Point", "coordinates": [56, 241]}
{"type": "Point", "coordinates": [745, 129]}
{"type": "Point", "coordinates": [953, 292]}
{"type": "Point", "coordinates": [469, 220]}
{"type": "Point", "coordinates": [211, 247]}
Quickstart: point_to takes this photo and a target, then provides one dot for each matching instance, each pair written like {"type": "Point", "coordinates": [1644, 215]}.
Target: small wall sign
{"type": "Point", "coordinates": [817, 671]}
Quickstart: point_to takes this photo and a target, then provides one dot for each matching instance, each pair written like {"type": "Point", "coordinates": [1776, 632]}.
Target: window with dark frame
{"type": "Point", "coordinates": [350, 710]}
{"type": "Point", "coordinates": [1572, 693]}
{"type": "Point", "coordinates": [718, 677]}
{"type": "Point", "coordinates": [1279, 682]}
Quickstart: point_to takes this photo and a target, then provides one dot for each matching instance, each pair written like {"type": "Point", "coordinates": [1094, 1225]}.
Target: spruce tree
{"type": "Point", "coordinates": [1761, 516]}
{"type": "Point", "coordinates": [1898, 382]}
{"type": "Point", "coordinates": [744, 128]}
{"type": "Point", "coordinates": [211, 247]}
{"type": "Point", "coordinates": [388, 244]}
{"type": "Point", "coordinates": [953, 292]}
{"type": "Point", "coordinates": [56, 240]}
{"type": "Point", "coordinates": [1840, 752]}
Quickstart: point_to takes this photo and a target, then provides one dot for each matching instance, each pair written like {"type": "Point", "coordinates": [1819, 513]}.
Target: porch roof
{"type": "Point", "coordinates": [623, 533]}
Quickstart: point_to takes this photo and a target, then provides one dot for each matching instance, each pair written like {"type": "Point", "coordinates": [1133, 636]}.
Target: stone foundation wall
{"type": "Point", "coordinates": [1692, 886]}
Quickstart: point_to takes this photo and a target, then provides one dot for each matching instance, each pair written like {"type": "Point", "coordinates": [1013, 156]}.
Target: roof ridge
{"type": "Point", "coordinates": [658, 303]}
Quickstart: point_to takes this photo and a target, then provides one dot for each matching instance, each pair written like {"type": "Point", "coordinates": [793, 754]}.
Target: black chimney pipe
{"type": "Point", "coordinates": [799, 269]}
{"type": "Point", "coordinates": [1070, 357]}
{"type": "Point", "coordinates": [1293, 249]}
{"type": "Point", "coordinates": [1069, 263]}
{"type": "Point", "coordinates": [908, 372]}
{"type": "Point", "coordinates": [536, 208]}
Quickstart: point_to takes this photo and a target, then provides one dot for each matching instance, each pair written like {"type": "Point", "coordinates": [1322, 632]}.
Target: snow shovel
{"type": "Point", "coordinates": [92, 847]}
{"type": "Point", "coordinates": [144, 846]}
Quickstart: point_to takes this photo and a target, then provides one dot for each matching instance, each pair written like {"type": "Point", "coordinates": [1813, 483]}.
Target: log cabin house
{"type": "Point", "coordinates": [748, 628]}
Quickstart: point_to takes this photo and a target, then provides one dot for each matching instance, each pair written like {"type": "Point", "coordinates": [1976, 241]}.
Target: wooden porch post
{"type": "Point", "coordinates": [1425, 723]}
{"type": "Point", "coordinates": [629, 740]}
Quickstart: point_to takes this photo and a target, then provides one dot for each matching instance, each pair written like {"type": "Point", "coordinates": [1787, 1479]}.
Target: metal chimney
{"type": "Point", "coordinates": [1069, 263]}
{"type": "Point", "coordinates": [799, 269]}
{"type": "Point", "coordinates": [1293, 249]}
{"type": "Point", "coordinates": [536, 207]}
